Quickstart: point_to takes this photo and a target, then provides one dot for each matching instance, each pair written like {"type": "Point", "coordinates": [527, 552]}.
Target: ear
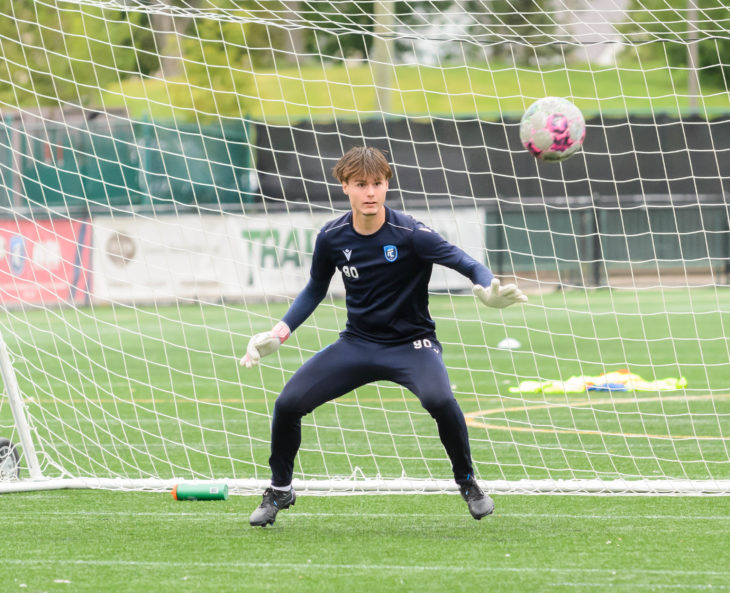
{"type": "Point", "coordinates": [344, 187]}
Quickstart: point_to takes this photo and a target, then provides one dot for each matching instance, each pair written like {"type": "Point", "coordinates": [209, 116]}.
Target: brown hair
{"type": "Point", "coordinates": [362, 160]}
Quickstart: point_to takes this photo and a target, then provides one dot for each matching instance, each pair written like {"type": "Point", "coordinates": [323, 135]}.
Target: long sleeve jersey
{"type": "Point", "coordinates": [386, 276]}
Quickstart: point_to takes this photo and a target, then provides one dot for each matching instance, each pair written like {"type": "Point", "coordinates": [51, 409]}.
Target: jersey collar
{"type": "Point", "coordinates": [380, 230]}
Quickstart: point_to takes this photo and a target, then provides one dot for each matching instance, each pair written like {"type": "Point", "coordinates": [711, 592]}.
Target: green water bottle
{"type": "Point", "coordinates": [200, 491]}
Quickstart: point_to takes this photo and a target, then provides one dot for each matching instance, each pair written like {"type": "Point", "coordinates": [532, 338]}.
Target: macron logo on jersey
{"type": "Point", "coordinates": [348, 253]}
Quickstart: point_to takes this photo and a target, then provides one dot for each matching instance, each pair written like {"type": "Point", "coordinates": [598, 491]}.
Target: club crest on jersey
{"type": "Point", "coordinates": [391, 252]}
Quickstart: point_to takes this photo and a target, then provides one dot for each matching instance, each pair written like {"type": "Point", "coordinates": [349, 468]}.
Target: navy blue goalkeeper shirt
{"type": "Point", "coordinates": [386, 276]}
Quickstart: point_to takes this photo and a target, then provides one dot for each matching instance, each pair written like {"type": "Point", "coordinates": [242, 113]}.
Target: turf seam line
{"type": "Point", "coordinates": [623, 571]}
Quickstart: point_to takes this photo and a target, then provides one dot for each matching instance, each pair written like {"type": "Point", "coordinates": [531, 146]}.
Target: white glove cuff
{"type": "Point", "coordinates": [281, 330]}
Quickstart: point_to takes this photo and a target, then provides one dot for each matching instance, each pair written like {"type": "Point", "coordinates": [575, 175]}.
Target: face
{"type": "Point", "coordinates": [367, 196]}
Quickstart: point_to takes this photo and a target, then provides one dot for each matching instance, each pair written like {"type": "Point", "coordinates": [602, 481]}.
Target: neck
{"type": "Point", "coordinates": [367, 225]}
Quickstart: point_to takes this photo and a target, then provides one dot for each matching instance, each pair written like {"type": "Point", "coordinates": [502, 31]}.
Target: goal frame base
{"type": "Point", "coordinates": [391, 486]}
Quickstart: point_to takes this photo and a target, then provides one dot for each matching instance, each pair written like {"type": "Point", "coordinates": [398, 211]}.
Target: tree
{"type": "Point", "coordinates": [218, 67]}
{"type": "Point", "coordinates": [522, 28]}
{"type": "Point", "coordinates": [677, 23]}
{"type": "Point", "coordinates": [332, 19]}
{"type": "Point", "coordinates": [50, 55]}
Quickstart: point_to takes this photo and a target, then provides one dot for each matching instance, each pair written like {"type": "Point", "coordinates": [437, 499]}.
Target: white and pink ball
{"type": "Point", "coordinates": [552, 129]}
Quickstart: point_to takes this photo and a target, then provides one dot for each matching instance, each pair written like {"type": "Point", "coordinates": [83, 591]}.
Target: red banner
{"type": "Point", "coordinates": [47, 261]}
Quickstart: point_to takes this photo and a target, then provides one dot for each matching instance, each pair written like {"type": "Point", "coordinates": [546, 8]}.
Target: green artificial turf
{"type": "Point", "coordinates": [97, 541]}
{"type": "Point", "coordinates": [158, 392]}
{"type": "Point", "coordinates": [491, 90]}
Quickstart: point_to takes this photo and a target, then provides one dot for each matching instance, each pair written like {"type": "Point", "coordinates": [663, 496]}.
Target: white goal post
{"type": "Point", "coordinates": [165, 166]}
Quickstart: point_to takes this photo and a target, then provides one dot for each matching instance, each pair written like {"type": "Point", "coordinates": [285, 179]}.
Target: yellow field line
{"type": "Point", "coordinates": [207, 400]}
{"type": "Point", "coordinates": [473, 418]}
{"type": "Point", "coordinates": [545, 403]}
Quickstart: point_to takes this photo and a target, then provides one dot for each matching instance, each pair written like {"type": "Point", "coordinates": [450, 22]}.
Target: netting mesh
{"type": "Point", "coordinates": [165, 166]}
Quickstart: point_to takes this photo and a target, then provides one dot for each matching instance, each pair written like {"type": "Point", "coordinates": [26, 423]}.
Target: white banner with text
{"type": "Point", "coordinates": [232, 256]}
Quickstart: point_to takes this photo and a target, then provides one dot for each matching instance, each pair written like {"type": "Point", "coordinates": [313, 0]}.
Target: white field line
{"type": "Point", "coordinates": [653, 586]}
{"type": "Point", "coordinates": [296, 515]}
{"type": "Point", "coordinates": [623, 571]}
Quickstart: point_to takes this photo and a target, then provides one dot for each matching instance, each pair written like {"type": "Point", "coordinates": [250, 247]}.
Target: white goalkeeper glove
{"type": "Point", "coordinates": [498, 296]}
{"type": "Point", "coordinates": [264, 344]}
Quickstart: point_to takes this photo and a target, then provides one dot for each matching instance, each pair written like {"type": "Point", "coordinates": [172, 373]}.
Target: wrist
{"type": "Point", "coordinates": [281, 330]}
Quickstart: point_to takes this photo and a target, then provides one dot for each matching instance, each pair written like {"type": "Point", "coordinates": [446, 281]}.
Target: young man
{"type": "Point", "coordinates": [385, 258]}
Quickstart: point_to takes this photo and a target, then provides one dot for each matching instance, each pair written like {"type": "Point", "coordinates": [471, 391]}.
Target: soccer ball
{"type": "Point", "coordinates": [552, 129]}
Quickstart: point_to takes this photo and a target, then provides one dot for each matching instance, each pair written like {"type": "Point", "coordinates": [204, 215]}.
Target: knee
{"type": "Point", "coordinates": [439, 403]}
{"type": "Point", "coordinates": [289, 404]}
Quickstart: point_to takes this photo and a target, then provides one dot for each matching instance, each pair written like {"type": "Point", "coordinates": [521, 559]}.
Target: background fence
{"type": "Point", "coordinates": [93, 162]}
{"type": "Point", "coordinates": [647, 192]}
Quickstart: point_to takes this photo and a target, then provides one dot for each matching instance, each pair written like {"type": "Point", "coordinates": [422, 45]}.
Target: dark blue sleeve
{"type": "Point", "coordinates": [432, 247]}
{"type": "Point", "coordinates": [316, 289]}
{"type": "Point", "coordinates": [305, 303]}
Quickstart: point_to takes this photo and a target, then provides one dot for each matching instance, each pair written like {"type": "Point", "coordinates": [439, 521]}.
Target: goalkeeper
{"type": "Point", "coordinates": [385, 258]}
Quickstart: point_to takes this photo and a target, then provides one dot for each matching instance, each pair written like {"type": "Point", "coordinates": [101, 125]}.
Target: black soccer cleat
{"type": "Point", "coordinates": [480, 504]}
{"type": "Point", "coordinates": [273, 502]}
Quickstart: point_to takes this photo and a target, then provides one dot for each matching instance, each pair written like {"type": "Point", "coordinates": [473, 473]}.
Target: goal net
{"type": "Point", "coordinates": [164, 169]}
